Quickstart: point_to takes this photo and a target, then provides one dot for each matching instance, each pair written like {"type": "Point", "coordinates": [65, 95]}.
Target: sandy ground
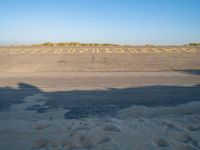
{"type": "Point", "coordinates": [80, 111]}
{"type": "Point", "coordinates": [63, 59]}
{"type": "Point", "coordinates": [107, 98]}
{"type": "Point", "coordinates": [175, 131]}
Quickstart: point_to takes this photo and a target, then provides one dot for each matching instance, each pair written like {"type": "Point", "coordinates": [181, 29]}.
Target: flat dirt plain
{"type": "Point", "coordinates": [111, 58]}
{"type": "Point", "coordinates": [100, 98]}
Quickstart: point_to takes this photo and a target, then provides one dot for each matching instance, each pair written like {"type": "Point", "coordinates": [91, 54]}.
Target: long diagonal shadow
{"type": "Point", "coordinates": [99, 103]}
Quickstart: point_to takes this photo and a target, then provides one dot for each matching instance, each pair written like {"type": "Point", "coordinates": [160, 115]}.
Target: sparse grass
{"type": "Point", "coordinates": [194, 44]}
{"type": "Point", "coordinates": [75, 44]}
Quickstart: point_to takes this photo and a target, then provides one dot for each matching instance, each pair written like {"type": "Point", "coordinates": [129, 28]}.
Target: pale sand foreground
{"type": "Point", "coordinates": [138, 127]}
{"type": "Point", "coordinates": [163, 111]}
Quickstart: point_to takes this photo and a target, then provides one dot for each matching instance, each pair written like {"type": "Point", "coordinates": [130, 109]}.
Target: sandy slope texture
{"type": "Point", "coordinates": [134, 128]}
{"type": "Point", "coordinates": [114, 58]}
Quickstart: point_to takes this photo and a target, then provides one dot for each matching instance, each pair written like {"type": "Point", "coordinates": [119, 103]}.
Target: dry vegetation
{"type": "Point", "coordinates": [75, 44]}
{"type": "Point", "coordinates": [78, 44]}
{"type": "Point", "coordinates": [194, 44]}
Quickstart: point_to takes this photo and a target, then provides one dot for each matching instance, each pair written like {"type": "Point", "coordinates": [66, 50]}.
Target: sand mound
{"type": "Point", "coordinates": [150, 112]}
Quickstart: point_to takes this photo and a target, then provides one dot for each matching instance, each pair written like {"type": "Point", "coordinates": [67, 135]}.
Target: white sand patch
{"type": "Point", "coordinates": [138, 127]}
{"type": "Point", "coordinates": [36, 99]}
{"type": "Point", "coordinates": [150, 112]}
{"type": "Point", "coordinates": [105, 133]}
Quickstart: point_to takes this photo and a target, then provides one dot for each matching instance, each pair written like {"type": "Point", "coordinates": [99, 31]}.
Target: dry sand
{"type": "Point", "coordinates": [44, 105]}
{"type": "Point", "coordinates": [61, 59]}
{"type": "Point", "coordinates": [138, 127]}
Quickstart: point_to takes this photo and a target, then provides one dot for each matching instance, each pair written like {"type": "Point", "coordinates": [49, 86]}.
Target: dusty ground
{"type": "Point", "coordinates": [62, 59]}
{"type": "Point", "coordinates": [48, 106]}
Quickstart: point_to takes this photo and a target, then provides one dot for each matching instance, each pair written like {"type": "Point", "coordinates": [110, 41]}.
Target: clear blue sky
{"type": "Point", "coordinates": [104, 21]}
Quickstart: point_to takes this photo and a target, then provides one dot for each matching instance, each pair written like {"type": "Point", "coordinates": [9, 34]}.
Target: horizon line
{"type": "Point", "coordinates": [97, 43]}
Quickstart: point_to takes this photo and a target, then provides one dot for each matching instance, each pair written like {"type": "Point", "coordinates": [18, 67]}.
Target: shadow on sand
{"type": "Point", "coordinates": [193, 72]}
{"type": "Point", "coordinates": [98, 103]}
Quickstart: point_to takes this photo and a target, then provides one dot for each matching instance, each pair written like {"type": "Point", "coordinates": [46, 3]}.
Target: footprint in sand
{"type": "Point", "coordinates": [111, 128]}
{"type": "Point", "coordinates": [192, 128]}
{"type": "Point", "coordinates": [181, 137]}
{"type": "Point", "coordinates": [160, 142]}
{"type": "Point", "coordinates": [183, 147]}
{"type": "Point", "coordinates": [40, 126]}
{"type": "Point", "coordinates": [170, 126]}
{"type": "Point", "coordinates": [185, 141]}
{"type": "Point", "coordinates": [195, 143]}
{"type": "Point", "coordinates": [83, 139]}
{"type": "Point", "coordinates": [40, 143]}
